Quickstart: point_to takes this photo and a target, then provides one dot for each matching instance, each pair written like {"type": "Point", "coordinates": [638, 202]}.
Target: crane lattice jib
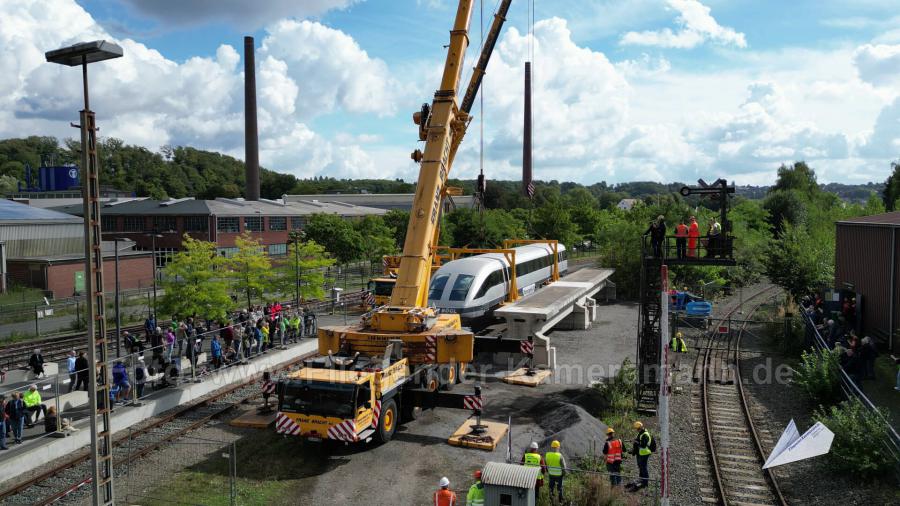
{"type": "Point", "coordinates": [446, 122]}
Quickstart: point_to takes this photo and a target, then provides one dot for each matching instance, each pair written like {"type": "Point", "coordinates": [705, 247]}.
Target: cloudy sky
{"type": "Point", "coordinates": [624, 90]}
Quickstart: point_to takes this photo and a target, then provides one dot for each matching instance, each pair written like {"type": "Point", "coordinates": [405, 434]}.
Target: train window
{"type": "Point", "coordinates": [461, 287]}
{"type": "Point", "coordinates": [495, 278]}
{"type": "Point", "coordinates": [437, 286]}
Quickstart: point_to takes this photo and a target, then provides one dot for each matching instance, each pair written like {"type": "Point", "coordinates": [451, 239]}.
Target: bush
{"type": "Point", "coordinates": [860, 438]}
{"type": "Point", "coordinates": [619, 393]}
{"type": "Point", "coordinates": [819, 374]}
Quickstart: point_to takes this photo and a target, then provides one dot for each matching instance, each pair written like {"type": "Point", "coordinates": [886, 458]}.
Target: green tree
{"type": "Point", "coordinates": [552, 221]}
{"type": "Point", "coordinates": [799, 176]}
{"type": "Point", "coordinates": [377, 239]}
{"type": "Point", "coordinates": [785, 206]}
{"type": "Point", "coordinates": [249, 268]}
{"type": "Point", "coordinates": [337, 235]}
{"type": "Point", "coordinates": [892, 188]}
{"type": "Point", "coordinates": [398, 220]}
{"type": "Point", "coordinates": [193, 281]}
{"type": "Point", "coordinates": [798, 262]}
{"type": "Point", "coordinates": [8, 184]}
{"type": "Point", "coordinates": [486, 229]}
{"type": "Point", "coordinates": [304, 263]}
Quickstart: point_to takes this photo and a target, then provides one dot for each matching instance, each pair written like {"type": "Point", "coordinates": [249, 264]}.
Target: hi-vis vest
{"type": "Point", "coordinates": [532, 460]}
{"type": "Point", "coordinates": [554, 463]}
{"type": "Point", "coordinates": [615, 451]}
{"type": "Point", "coordinates": [476, 495]}
{"type": "Point", "coordinates": [643, 451]}
{"type": "Point", "coordinates": [677, 345]}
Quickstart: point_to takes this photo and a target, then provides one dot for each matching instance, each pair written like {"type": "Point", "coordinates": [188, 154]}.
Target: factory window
{"type": "Point", "coordinates": [134, 223]}
{"type": "Point", "coordinates": [109, 223]}
{"type": "Point", "coordinates": [196, 223]}
{"type": "Point", "coordinates": [230, 224]}
{"type": "Point", "coordinates": [278, 249]}
{"type": "Point", "coordinates": [277, 223]}
{"type": "Point", "coordinates": [297, 222]}
{"type": "Point", "coordinates": [253, 224]}
{"type": "Point", "coordinates": [227, 252]}
{"type": "Point", "coordinates": [164, 224]}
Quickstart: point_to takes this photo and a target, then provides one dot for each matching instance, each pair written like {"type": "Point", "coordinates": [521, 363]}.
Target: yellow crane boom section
{"type": "Point", "coordinates": [446, 122]}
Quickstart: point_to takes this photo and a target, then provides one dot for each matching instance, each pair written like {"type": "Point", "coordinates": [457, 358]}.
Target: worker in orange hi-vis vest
{"type": "Point", "coordinates": [681, 235]}
{"type": "Point", "coordinates": [693, 237]}
{"type": "Point", "coordinates": [445, 496]}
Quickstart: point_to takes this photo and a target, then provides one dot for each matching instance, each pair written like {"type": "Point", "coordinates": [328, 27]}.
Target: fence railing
{"type": "Point", "coordinates": [849, 387]}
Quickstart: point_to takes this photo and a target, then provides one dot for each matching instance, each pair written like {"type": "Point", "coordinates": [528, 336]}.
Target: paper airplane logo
{"type": "Point", "coordinates": [792, 446]}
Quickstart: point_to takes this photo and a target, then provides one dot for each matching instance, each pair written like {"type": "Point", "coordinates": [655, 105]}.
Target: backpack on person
{"type": "Point", "coordinates": [652, 445]}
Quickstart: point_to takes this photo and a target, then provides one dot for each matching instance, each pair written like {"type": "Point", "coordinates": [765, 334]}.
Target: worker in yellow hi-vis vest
{"type": "Point", "coordinates": [556, 469]}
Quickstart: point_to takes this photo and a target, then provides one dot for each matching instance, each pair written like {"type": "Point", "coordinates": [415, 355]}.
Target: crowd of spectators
{"type": "Point", "coordinates": [159, 358]}
{"type": "Point", "coordinates": [838, 330]}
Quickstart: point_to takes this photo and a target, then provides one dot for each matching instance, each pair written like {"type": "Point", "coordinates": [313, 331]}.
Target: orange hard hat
{"type": "Point", "coordinates": [478, 474]}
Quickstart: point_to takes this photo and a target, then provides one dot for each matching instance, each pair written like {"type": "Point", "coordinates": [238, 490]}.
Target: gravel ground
{"type": "Point", "coordinates": [406, 470]}
{"type": "Point", "coordinates": [773, 405]}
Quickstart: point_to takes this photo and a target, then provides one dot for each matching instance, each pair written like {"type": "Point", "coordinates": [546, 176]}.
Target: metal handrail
{"type": "Point", "coordinates": [851, 389]}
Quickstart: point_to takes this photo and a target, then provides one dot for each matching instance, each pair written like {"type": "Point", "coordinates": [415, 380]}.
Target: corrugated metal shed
{"type": "Point", "coordinates": [509, 475]}
{"type": "Point", "coordinates": [867, 257]}
{"type": "Point", "coordinates": [32, 232]}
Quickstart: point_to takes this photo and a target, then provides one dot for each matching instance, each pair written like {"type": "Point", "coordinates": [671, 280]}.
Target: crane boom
{"type": "Point", "coordinates": [444, 123]}
{"type": "Point", "coordinates": [486, 51]}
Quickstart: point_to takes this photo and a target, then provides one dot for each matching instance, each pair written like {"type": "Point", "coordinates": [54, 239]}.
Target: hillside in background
{"type": "Point", "coordinates": [176, 172]}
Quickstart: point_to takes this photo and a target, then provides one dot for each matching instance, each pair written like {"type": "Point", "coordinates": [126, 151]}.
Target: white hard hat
{"type": "Point", "coordinates": [444, 482]}
{"type": "Point", "coordinates": [534, 445]}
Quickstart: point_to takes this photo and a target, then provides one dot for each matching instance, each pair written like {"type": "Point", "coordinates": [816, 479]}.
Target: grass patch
{"type": "Point", "coordinates": [211, 489]}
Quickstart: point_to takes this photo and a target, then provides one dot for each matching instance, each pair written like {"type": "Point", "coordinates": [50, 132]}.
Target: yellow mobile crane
{"type": "Point", "coordinates": [404, 355]}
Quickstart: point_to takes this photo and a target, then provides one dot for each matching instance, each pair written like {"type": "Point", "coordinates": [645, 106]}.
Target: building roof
{"type": "Point", "coordinates": [223, 207]}
{"type": "Point", "coordinates": [884, 219]}
{"type": "Point", "coordinates": [126, 249]}
{"type": "Point", "coordinates": [14, 213]}
{"type": "Point", "coordinates": [627, 204]}
{"type": "Point", "coordinates": [53, 203]}
{"type": "Point", "coordinates": [509, 475]}
{"type": "Point", "coordinates": [379, 200]}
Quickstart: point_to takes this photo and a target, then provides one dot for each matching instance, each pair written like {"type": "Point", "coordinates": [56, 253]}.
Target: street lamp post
{"type": "Point", "coordinates": [153, 237]}
{"type": "Point", "coordinates": [101, 432]}
{"type": "Point", "coordinates": [296, 236]}
{"type": "Point", "coordinates": [118, 315]}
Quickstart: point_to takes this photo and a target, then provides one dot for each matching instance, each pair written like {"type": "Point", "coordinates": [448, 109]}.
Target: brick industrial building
{"type": "Point", "coordinates": [44, 249]}
{"type": "Point", "coordinates": [164, 222]}
{"type": "Point", "coordinates": [867, 262]}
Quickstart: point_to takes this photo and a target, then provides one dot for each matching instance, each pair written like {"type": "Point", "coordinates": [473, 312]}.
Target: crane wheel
{"type": "Point", "coordinates": [432, 380]}
{"type": "Point", "coordinates": [460, 372]}
{"type": "Point", "coordinates": [387, 424]}
{"type": "Point", "coordinates": [410, 412]}
{"type": "Point", "coordinates": [448, 376]}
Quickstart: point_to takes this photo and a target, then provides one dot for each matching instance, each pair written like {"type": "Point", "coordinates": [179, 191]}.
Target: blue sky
{"type": "Point", "coordinates": [644, 89]}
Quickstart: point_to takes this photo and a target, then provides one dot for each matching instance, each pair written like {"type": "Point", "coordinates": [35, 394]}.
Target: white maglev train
{"type": "Point", "coordinates": [475, 285]}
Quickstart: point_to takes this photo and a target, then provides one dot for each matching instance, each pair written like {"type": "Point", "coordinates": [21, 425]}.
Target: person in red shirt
{"type": "Point", "coordinates": [444, 496]}
{"type": "Point", "coordinates": [693, 237]}
{"type": "Point", "coordinates": [681, 236]}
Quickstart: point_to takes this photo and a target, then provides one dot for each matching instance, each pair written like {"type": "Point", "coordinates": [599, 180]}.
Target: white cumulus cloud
{"type": "Point", "coordinates": [148, 99]}
{"type": "Point", "coordinates": [878, 64]}
{"type": "Point", "coordinates": [695, 26]}
{"type": "Point", "coordinates": [241, 13]}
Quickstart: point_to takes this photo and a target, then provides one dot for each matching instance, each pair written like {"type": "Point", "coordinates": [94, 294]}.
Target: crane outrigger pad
{"type": "Point", "coordinates": [491, 435]}
{"type": "Point", "coordinates": [521, 377]}
{"type": "Point", "coordinates": [254, 420]}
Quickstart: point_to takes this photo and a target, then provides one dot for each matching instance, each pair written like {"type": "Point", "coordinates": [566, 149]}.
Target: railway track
{"type": "Point", "coordinates": [734, 451]}
{"type": "Point", "coordinates": [70, 479]}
